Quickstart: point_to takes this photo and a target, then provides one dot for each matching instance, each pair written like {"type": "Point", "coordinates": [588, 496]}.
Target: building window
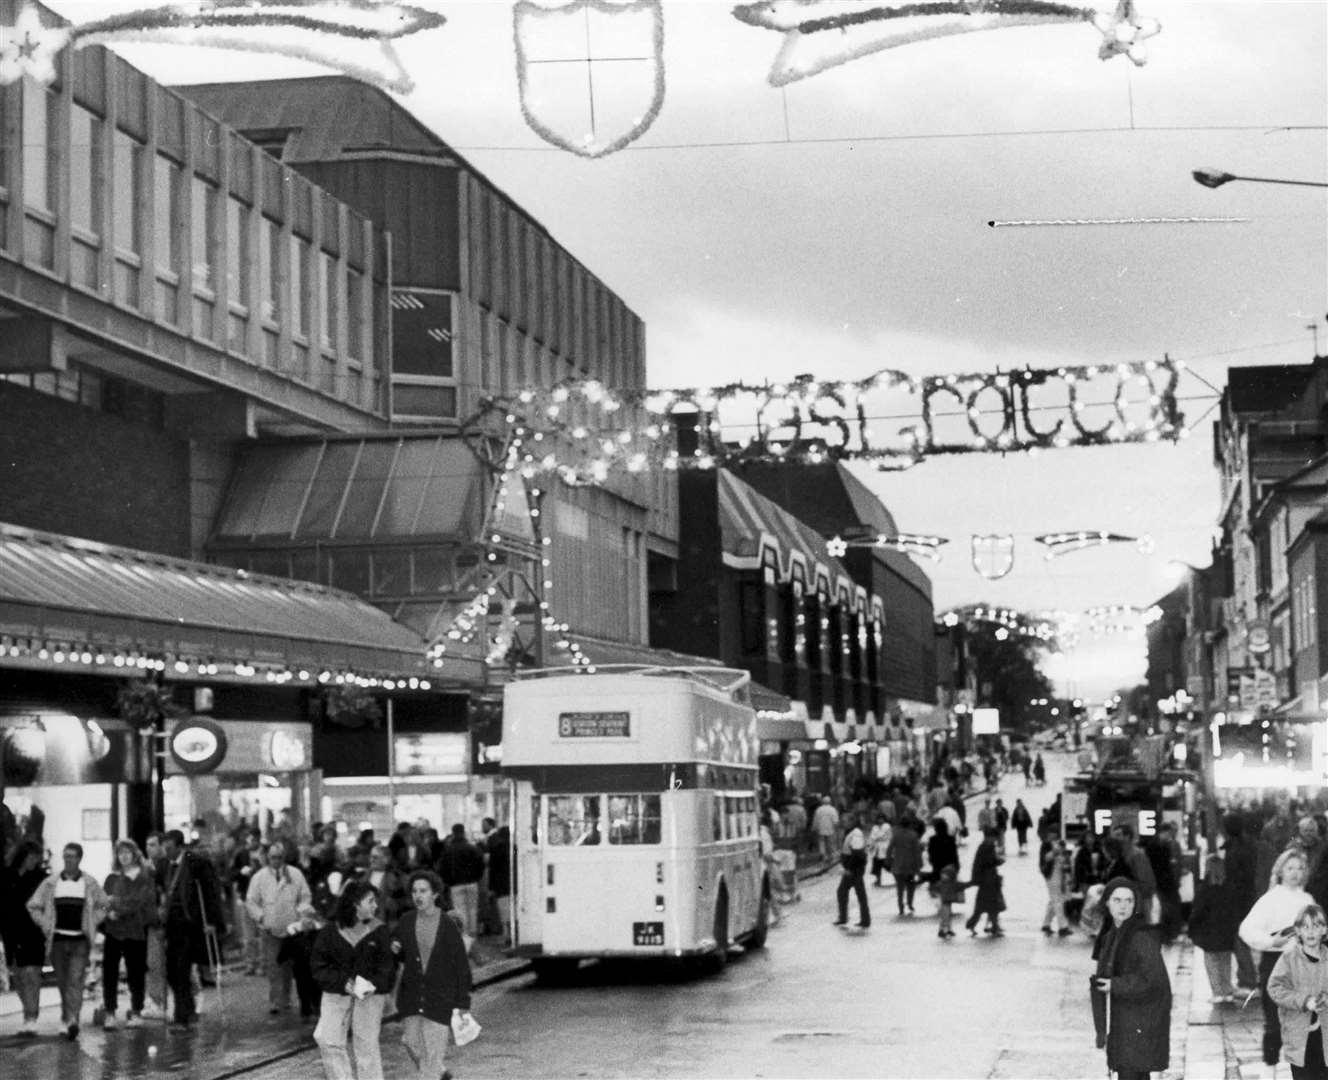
{"type": "Point", "coordinates": [166, 213]}
{"type": "Point", "coordinates": [269, 258]}
{"type": "Point", "coordinates": [126, 154]}
{"type": "Point", "coordinates": [354, 314]}
{"type": "Point", "coordinates": [327, 297]}
{"type": "Point", "coordinates": [204, 226]}
{"type": "Point", "coordinates": [85, 170]}
{"type": "Point", "coordinates": [237, 250]}
{"type": "Point", "coordinates": [299, 283]}
{"type": "Point", "coordinates": [38, 176]}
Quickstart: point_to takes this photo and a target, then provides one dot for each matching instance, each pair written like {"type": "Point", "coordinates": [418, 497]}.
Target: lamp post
{"type": "Point", "coordinates": [1215, 178]}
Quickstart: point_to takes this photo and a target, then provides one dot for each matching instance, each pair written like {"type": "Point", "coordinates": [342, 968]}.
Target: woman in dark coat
{"type": "Point", "coordinates": [942, 851]}
{"type": "Point", "coordinates": [1214, 920]}
{"type": "Point", "coordinates": [904, 857]}
{"type": "Point", "coordinates": [1130, 992]}
{"type": "Point", "coordinates": [435, 977]}
{"type": "Point", "coordinates": [985, 875]}
{"type": "Point", "coordinates": [25, 943]}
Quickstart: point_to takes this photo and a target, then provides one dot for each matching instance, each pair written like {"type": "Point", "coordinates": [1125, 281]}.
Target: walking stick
{"type": "Point", "coordinates": [211, 946]}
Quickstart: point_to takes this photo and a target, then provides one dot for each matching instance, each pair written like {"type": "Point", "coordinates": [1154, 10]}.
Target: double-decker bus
{"type": "Point", "coordinates": [634, 814]}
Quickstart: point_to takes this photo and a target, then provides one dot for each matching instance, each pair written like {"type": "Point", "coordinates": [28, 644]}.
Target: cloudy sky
{"type": "Point", "coordinates": [838, 225]}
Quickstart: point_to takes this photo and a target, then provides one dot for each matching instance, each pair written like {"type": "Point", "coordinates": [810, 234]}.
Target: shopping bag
{"type": "Point", "coordinates": [465, 1028]}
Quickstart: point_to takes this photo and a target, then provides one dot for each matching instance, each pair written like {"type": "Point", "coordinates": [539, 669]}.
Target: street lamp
{"type": "Point", "coordinates": [1215, 178]}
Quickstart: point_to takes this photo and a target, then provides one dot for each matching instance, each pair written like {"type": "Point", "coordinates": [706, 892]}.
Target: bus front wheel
{"type": "Point", "coordinates": [553, 971]}
{"type": "Point", "coordinates": [756, 940]}
{"type": "Point", "coordinates": [716, 961]}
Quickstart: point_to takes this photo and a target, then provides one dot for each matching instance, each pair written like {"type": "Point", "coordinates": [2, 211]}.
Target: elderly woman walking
{"type": "Point", "coordinates": [1130, 991]}
{"type": "Point", "coordinates": [352, 963]}
{"type": "Point", "coordinates": [435, 978]}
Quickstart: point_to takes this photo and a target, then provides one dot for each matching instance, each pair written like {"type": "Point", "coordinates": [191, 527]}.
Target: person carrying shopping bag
{"type": "Point", "coordinates": [435, 976]}
{"type": "Point", "coordinates": [353, 964]}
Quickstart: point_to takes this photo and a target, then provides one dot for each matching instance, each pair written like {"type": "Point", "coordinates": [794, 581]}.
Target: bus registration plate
{"type": "Point", "coordinates": [647, 933]}
{"type": "Point", "coordinates": [594, 725]}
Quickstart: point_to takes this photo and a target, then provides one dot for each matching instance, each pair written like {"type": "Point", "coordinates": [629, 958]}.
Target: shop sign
{"type": "Point", "coordinates": [198, 745]}
{"type": "Point", "coordinates": [286, 751]}
{"type": "Point", "coordinates": [434, 753]}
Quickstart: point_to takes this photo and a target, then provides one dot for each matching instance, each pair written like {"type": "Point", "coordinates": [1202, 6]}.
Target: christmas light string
{"type": "Point", "coordinates": [808, 420]}
{"type": "Point", "coordinates": [1066, 543]}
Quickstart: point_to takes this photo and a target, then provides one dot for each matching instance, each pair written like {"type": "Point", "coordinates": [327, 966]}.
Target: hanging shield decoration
{"type": "Point", "coordinates": [993, 554]}
{"type": "Point", "coordinates": [590, 73]}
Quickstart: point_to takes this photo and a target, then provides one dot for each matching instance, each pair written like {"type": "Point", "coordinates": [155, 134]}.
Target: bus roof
{"type": "Point", "coordinates": [732, 681]}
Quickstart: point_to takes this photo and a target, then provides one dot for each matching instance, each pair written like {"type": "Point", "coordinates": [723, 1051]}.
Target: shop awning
{"type": "Point", "coordinates": [745, 516]}
{"type": "Point", "coordinates": [89, 604]}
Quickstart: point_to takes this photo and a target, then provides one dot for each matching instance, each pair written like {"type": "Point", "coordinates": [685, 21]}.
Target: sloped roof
{"type": "Point", "coordinates": [328, 116]}
{"type": "Point", "coordinates": [745, 514]}
{"type": "Point", "coordinates": [86, 594]}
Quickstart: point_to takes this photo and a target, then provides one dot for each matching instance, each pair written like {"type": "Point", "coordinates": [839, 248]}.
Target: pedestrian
{"type": "Point", "coordinates": [276, 894]}
{"type": "Point", "coordinates": [795, 823]}
{"type": "Point", "coordinates": [69, 906]}
{"type": "Point", "coordinates": [500, 878]}
{"type": "Point", "coordinates": [1132, 863]}
{"type": "Point", "coordinates": [853, 861]}
{"type": "Point", "coordinates": [1269, 928]}
{"type": "Point", "coordinates": [435, 976]}
{"type": "Point", "coordinates": [904, 855]}
{"type": "Point", "coordinates": [1214, 920]}
{"type": "Point", "coordinates": [248, 860]}
{"type": "Point", "coordinates": [461, 866]}
{"type": "Point", "coordinates": [131, 897]}
{"type": "Point", "coordinates": [1164, 857]}
{"type": "Point", "coordinates": [1039, 771]}
{"type": "Point", "coordinates": [393, 900]}
{"type": "Point", "coordinates": [949, 891]}
{"type": "Point", "coordinates": [1241, 868]}
{"type": "Point", "coordinates": [825, 826]}
{"type": "Point", "coordinates": [1022, 821]}
{"type": "Point", "coordinates": [1026, 763]}
{"type": "Point", "coordinates": [1002, 815]}
{"type": "Point", "coordinates": [1130, 991]}
{"type": "Point", "coordinates": [155, 861]}
{"type": "Point", "coordinates": [878, 841]}
{"type": "Point", "coordinates": [25, 943]}
{"type": "Point", "coordinates": [1056, 872]}
{"type": "Point", "coordinates": [191, 907]}
{"type": "Point", "coordinates": [353, 965]}
{"type": "Point", "coordinates": [1299, 986]}
{"type": "Point", "coordinates": [986, 878]}
{"type": "Point", "coordinates": [942, 851]}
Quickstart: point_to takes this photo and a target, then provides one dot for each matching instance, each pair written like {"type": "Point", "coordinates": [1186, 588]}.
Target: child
{"type": "Point", "coordinates": [1299, 986]}
{"type": "Point", "coordinates": [949, 892]}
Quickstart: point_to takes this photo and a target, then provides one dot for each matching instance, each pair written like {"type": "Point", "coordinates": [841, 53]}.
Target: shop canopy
{"type": "Point", "coordinates": [71, 601]}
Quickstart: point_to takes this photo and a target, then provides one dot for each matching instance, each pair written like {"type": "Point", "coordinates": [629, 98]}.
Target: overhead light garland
{"type": "Point", "coordinates": [929, 547]}
{"type": "Point", "coordinates": [592, 431]}
{"type": "Point", "coordinates": [541, 31]}
{"type": "Point", "coordinates": [822, 34]}
{"type": "Point", "coordinates": [1066, 543]}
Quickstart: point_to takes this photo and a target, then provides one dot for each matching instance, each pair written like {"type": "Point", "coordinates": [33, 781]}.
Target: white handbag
{"type": "Point", "coordinates": [465, 1028]}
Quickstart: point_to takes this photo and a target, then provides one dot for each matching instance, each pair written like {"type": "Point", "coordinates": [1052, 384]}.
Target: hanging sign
{"type": "Point", "coordinates": [198, 745]}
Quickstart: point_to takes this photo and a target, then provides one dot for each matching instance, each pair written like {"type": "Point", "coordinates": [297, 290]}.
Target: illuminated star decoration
{"type": "Point", "coordinates": [354, 36]}
{"type": "Point", "coordinates": [821, 34]}
{"type": "Point", "coordinates": [610, 120]}
{"type": "Point", "coordinates": [29, 48]}
{"type": "Point", "coordinates": [928, 547]}
{"type": "Point", "coordinates": [1065, 543]}
{"type": "Point", "coordinates": [1124, 32]}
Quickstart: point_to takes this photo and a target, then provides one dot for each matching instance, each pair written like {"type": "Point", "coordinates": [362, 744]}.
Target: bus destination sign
{"type": "Point", "coordinates": [594, 725]}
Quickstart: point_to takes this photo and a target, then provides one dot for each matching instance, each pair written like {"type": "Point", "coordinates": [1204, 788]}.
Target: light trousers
{"type": "Point", "coordinates": [360, 1019]}
{"type": "Point", "coordinates": [1218, 966]}
{"type": "Point", "coordinates": [425, 1041]}
{"type": "Point", "coordinates": [466, 900]}
{"type": "Point", "coordinates": [69, 958]}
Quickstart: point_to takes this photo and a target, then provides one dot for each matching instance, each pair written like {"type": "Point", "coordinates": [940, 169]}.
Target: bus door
{"type": "Point", "coordinates": [527, 865]}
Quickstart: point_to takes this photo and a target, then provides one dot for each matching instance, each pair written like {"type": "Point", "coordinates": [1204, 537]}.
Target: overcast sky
{"type": "Point", "coordinates": [838, 225]}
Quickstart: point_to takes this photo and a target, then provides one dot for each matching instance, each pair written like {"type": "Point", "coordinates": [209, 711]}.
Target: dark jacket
{"type": "Point", "coordinates": [460, 862]}
{"type": "Point", "coordinates": [986, 876]}
{"type": "Point", "coordinates": [432, 986]}
{"type": "Point", "coordinates": [134, 905]}
{"type": "Point", "coordinates": [942, 851]}
{"type": "Point", "coordinates": [905, 852]}
{"type": "Point", "coordinates": [1021, 819]}
{"type": "Point", "coordinates": [1135, 1026]}
{"type": "Point", "coordinates": [1242, 860]}
{"type": "Point", "coordinates": [1215, 917]}
{"type": "Point", "coordinates": [25, 943]}
{"type": "Point", "coordinates": [191, 901]}
{"type": "Point", "coordinates": [335, 960]}
{"type": "Point", "coordinates": [500, 862]}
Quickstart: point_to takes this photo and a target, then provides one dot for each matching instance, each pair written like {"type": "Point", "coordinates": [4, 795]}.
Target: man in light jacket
{"type": "Point", "coordinates": [276, 894]}
{"type": "Point", "coordinates": [68, 906]}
